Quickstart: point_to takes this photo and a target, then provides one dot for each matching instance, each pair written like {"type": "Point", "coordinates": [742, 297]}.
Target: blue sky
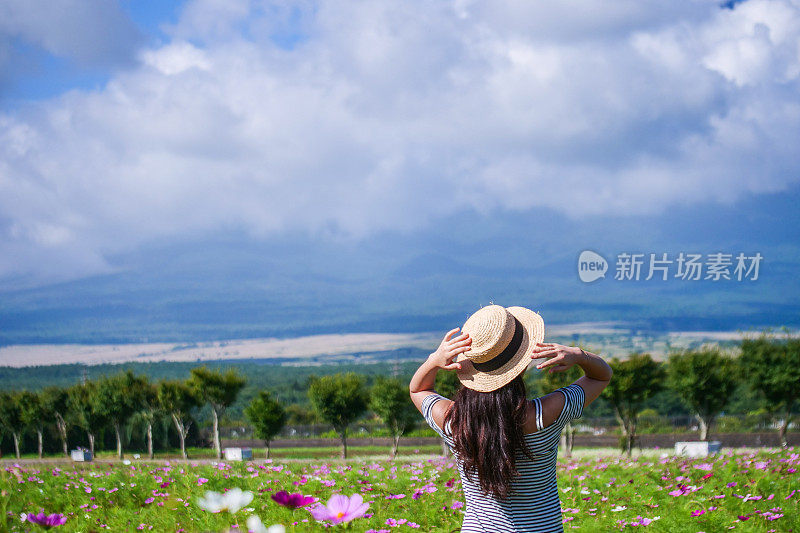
{"type": "Point", "coordinates": [128, 125]}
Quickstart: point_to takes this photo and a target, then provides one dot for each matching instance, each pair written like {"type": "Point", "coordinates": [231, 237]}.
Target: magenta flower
{"type": "Point", "coordinates": [47, 521]}
{"type": "Point", "coordinates": [292, 501]}
{"type": "Point", "coordinates": [340, 509]}
{"type": "Point", "coordinates": [698, 512]}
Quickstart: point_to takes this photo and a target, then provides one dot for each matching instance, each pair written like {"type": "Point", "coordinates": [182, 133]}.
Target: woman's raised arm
{"type": "Point", "coordinates": [597, 373]}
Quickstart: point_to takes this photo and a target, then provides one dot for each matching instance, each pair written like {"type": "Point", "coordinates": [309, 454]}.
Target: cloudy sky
{"type": "Point", "coordinates": [128, 123]}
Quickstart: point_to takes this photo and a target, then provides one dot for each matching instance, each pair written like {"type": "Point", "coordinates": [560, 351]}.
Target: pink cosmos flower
{"type": "Point", "coordinates": [340, 509]}
{"type": "Point", "coordinates": [698, 512]}
{"type": "Point", "coordinates": [292, 501]}
{"type": "Point", "coordinates": [46, 521]}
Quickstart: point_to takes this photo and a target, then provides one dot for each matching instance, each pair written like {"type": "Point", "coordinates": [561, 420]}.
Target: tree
{"type": "Point", "coordinates": [551, 381]}
{"type": "Point", "coordinates": [34, 414]}
{"type": "Point", "coordinates": [150, 408]}
{"type": "Point", "coordinates": [219, 391]}
{"type": "Point", "coordinates": [56, 402]}
{"type": "Point", "coordinates": [118, 398]}
{"type": "Point", "coordinates": [705, 380]}
{"type": "Point", "coordinates": [339, 399]}
{"type": "Point", "coordinates": [82, 405]}
{"type": "Point", "coordinates": [636, 380]}
{"type": "Point", "coordinates": [267, 416]}
{"type": "Point", "coordinates": [389, 400]}
{"type": "Point", "coordinates": [447, 384]}
{"type": "Point", "coordinates": [772, 367]}
{"type": "Point", "coordinates": [178, 399]}
{"type": "Point", "coordinates": [297, 415]}
{"type": "Point", "coordinates": [11, 416]}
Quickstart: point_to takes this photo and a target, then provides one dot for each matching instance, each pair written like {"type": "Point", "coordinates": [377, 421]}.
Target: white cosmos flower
{"type": "Point", "coordinates": [619, 508]}
{"type": "Point", "coordinates": [126, 462]}
{"type": "Point", "coordinates": [255, 525]}
{"type": "Point", "coordinates": [231, 501]}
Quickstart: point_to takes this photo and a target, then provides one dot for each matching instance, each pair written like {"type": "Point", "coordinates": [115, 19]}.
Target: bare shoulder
{"type": "Point", "coordinates": [552, 407]}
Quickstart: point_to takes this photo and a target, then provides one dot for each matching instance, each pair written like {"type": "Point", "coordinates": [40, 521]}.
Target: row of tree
{"type": "Point", "coordinates": [112, 401]}
{"type": "Point", "coordinates": [705, 379]}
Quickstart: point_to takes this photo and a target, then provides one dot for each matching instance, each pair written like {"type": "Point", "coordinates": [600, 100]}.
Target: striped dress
{"type": "Point", "coordinates": [534, 505]}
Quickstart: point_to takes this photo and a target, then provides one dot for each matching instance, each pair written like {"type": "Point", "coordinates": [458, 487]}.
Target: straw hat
{"type": "Point", "coordinates": [503, 339]}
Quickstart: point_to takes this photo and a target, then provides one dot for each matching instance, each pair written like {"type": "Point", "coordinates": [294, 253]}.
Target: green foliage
{"type": "Point", "coordinates": [266, 415]}
{"type": "Point", "coordinates": [34, 411]}
{"type": "Point", "coordinates": [636, 379]}
{"type": "Point", "coordinates": [772, 367]}
{"type": "Point", "coordinates": [551, 381]}
{"type": "Point", "coordinates": [390, 400]}
{"type": "Point", "coordinates": [339, 399]}
{"type": "Point", "coordinates": [118, 397]}
{"type": "Point", "coordinates": [447, 383]}
{"type": "Point", "coordinates": [705, 380]}
{"type": "Point", "coordinates": [11, 414]}
{"type": "Point", "coordinates": [177, 398]}
{"type": "Point", "coordinates": [82, 401]}
{"type": "Point", "coordinates": [56, 401]}
{"type": "Point", "coordinates": [297, 415]}
{"type": "Point", "coordinates": [217, 388]}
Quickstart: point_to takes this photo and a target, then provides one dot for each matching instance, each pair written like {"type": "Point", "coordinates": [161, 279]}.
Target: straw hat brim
{"type": "Point", "coordinates": [533, 333]}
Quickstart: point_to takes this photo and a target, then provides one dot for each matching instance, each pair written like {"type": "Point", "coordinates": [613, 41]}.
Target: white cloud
{"type": "Point", "coordinates": [389, 115]}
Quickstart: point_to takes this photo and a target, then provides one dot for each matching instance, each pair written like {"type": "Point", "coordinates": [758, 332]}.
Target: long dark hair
{"type": "Point", "coordinates": [487, 432]}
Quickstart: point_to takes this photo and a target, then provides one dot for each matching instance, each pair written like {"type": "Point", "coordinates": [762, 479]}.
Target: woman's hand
{"type": "Point", "coordinates": [449, 349]}
{"type": "Point", "coordinates": [560, 357]}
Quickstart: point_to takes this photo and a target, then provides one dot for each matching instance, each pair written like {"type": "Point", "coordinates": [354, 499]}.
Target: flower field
{"type": "Point", "coordinates": [740, 491]}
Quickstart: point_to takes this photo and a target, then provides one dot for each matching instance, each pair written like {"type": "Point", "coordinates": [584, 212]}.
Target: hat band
{"type": "Point", "coordinates": [505, 356]}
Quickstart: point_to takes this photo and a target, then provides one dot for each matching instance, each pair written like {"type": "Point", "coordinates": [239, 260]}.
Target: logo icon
{"type": "Point", "coordinates": [591, 266]}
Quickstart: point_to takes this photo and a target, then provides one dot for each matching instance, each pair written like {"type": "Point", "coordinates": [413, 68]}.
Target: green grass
{"type": "Point", "coordinates": [599, 492]}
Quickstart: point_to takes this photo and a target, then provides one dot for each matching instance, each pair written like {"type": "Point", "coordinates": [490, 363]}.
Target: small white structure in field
{"type": "Point", "coordinates": [697, 448]}
{"type": "Point", "coordinates": [238, 454]}
{"type": "Point", "coordinates": [81, 455]}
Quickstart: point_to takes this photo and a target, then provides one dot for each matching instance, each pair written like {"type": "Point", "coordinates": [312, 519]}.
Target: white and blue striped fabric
{"type": "Point", "coordinates": [534, 505]}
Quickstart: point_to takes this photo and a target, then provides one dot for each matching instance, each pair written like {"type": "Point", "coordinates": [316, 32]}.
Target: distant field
{"type": "Point", "coordinates": [609, 339]}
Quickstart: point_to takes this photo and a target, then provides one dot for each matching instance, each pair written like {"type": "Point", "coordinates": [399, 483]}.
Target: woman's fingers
{"type": "Point", "coordinates": [550, 362]}
{"type": "Point", "coordinates": [461, 343]}
{"type": "Point", "coordinates": [452, 366]}
{"type": "Point", "coordinates": [541, 346]}
{"type": "Point", "coordinates": [550, 353]}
